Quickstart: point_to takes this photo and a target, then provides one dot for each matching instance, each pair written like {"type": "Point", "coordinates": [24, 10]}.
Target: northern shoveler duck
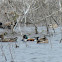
{"type": "Point", "coordinates": [25, 38]}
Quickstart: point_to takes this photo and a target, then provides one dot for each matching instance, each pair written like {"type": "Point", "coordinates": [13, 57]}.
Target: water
{"type": "Point", "coordinates": [34, 52]}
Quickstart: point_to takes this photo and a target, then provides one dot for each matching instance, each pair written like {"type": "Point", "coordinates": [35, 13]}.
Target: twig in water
{"type": "Point", "coordinates": [50, 43]}
{"type": "Point", "coordinates": [12, 60]}
{"type": "Point", "coordinates": [3, 52]}
{"type": "Point", "coordinates": [47, 27]}
{"type": "Point", "coordinates": [52, 25]}
{"type": "Point", "coordinates": [26, 44]}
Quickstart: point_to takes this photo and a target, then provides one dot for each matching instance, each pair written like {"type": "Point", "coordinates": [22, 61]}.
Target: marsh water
{"type": "Point", "coordinates": [31, 51]}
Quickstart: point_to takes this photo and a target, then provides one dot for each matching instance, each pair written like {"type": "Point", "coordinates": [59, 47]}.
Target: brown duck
{"type": "Point", "coordinates": [42, 40]}
{"type": "Point", "coordinates": [10, 39]}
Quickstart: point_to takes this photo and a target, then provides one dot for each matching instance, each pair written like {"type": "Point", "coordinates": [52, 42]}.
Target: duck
{"type": "Point", "coordinates": [25, 38]}
{"type": "Point", "coordinates": [53, 25]}
{"type": "Point", "coordinates": [9, 39]}
{"type": "Point", "coordinates": [42, 40]}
